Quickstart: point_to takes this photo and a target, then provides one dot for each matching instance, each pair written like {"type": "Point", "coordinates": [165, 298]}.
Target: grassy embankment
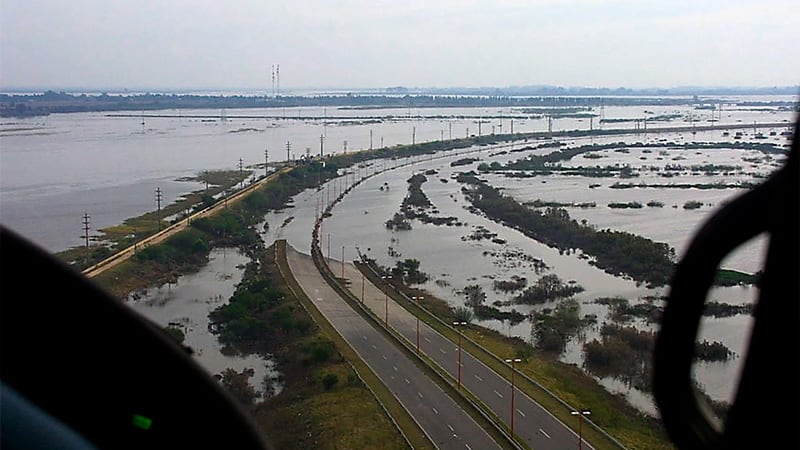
{"type": "Point", "coordinates": [324, 404]}
{"type": "Point", "coordinates": [132, 230]}
{"type": "Point", "coordinates": [628, 425]}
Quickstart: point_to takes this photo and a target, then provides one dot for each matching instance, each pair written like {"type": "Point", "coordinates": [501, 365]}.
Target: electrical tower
{"type": "Point", "coordinates": [273, 81]}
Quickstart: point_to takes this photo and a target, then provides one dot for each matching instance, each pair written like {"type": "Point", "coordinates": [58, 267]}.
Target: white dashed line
{"type": "Point", "coordinates": [479, 378]}
{"type": "Point", "coordinates": [407, 382]}
{"type": "Point", "coordinates": [442, 350]}
{"type": "Point", "coordinates": [521, 413]}
{"type": "Point", "coordinates": [420, 394]}
{"type": "Point", "coordinates": [395, 368]}
{"type": "Point", "coordinates": [365, 338]}
{"type": "Point", "coordinates": [451, 428]}
{"type": "Point", "coordinates": [374, 348]}
{"type": "Point", "coordinates": [545, 434]}
{"type": "Point", "coordinates": [385, 358]}
{"type": "Point", "coordinates": [498, 394]}
{"type": "Point", "coordinates": [468, 447]}
{"type": "Point", "coordinates": [435, 411]}
{"type": "Point", "coordinates": [427, 340]}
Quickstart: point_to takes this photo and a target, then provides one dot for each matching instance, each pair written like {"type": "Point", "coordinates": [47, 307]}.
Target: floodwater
{"type": "Point", "coordinates": [54, 169]}
{"type": "Point", "coordinates": [186, 305]}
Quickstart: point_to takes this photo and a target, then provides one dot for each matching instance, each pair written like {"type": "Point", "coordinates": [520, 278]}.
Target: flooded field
{"type": "Point", "coordinates": [53, 169]}
{"type": "Point", "coordinates": [185, 305]}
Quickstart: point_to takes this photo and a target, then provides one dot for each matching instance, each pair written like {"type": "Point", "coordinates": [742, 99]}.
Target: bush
{"type": "Point", "coordinates": [318, 351]}
{"type": "Point", "coordinates": [329, 381]}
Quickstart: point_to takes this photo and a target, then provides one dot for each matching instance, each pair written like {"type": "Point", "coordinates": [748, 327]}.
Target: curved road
{"type": "Point", "coordinates": [532, 423]}
{"type": "Point", "coordinates": [445, 423]}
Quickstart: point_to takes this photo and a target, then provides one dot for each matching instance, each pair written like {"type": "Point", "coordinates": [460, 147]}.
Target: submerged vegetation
{"type": "Point", "coordinates": [615, 252]}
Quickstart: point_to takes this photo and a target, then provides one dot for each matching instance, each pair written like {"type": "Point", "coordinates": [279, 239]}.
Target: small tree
{"type": "Point", "coordinates": [463, 314]}
{"type": "Point", "coordinates": [329, 381]}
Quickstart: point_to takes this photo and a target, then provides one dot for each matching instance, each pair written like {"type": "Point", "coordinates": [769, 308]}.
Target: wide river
{"type": "Point", "coordinates": [54, 169]}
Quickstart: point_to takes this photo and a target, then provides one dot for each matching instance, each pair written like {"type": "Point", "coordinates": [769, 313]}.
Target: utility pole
{"type": "Point", "coordinates": [288, 149]}
{"type": "Point", "coordinates": [512, 126]}
{"type": "Point", "coordinates": [450, 130]}
{"type": "Point", "coordinates": [345, 145]}
{"type": "Point", "coordinates": [370, 139]}
{"type": "Point", "coordinates": [266, 162]}
{"type": "Point", "coordinates": [158, 203]}
{"type": "Point", "coordinates": [413, 135]}
{"type": "Point", "coordinates": [86, 234]}
{"type": "Point", "coordinates": [241, 171]}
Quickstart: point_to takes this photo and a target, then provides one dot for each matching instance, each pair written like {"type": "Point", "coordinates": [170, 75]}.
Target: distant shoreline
{"type": "Point", "coordinates": [27, 105]}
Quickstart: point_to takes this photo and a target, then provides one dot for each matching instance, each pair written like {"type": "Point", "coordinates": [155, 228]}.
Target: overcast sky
{"type": "Point", "coordinates": [377, 43]}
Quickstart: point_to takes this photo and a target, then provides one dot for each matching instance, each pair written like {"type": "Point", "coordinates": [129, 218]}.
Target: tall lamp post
{"type": "Point", "coordinates": [386, 300]}
{"type": "Point", "coordinates": [457, 325]}
{"type": "Point", "coordinates": [363, 282]}
{"type": "Point", "coordinates": [580, 415]}
{"type": "Point", "coordinates": [513, 362]}
{"type": "Point", "coordinates": [417, 299]}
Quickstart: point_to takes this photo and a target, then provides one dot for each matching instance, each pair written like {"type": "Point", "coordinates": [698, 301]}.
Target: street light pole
{"type": "Point", "coordinates": [362, 287]}
{"type": "Point", "coordinates": [386, 300]}
{"type": "Point", "coordinates": [417, 299]}
{"type": "Point", "coordinates": [459, 324]}
{"type": "Point", "coordinates": [513, 369]}
{"type": "Point", "coordinates": [580, 415]}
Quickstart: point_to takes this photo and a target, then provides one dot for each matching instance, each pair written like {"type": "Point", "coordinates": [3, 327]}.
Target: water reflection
{"type": "Point", "coordinates": [186, 304]}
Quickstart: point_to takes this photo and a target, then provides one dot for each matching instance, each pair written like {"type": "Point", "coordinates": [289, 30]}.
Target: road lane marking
{"type": "Point", "coordinates": [395, 368]}
{"type": "Point", "coordinates": [451, 428]}
{"type": "Point", "coordinates": [442, 350]}
{"type": "Point", "coordinates": [479, 378]}
{"type": "Point", "coordinates": [407, 382]}
{"type": "Point", "coordinates": [435, 411]}
{"type": "Point", "coordinates": [520, 412]}
{"type": "Point", "coordinates": [365, 338]}
{"type": "Point", "coordinates": [467, 445]}
{"type": "Point", "coordinates": [374, 348]}
{"type": "Point", "coordinates": [385, 358]}
{"type": "Point", "coordinates": [498, 394]}
{"type": "Point", "coordinates": [427, 340]}
{"type": "Point", "coordinates": [420, 394]}
{"type": "Point", "coordinates": [545, 434]}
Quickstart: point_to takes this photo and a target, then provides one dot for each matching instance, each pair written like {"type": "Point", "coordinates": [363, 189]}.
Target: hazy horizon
{"type": "Point", "coordinates": [300, 90]}
{"type": "Point", "coordinates": [205, 44]}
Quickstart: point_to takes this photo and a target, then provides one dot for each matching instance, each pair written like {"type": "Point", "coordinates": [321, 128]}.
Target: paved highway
{"type": "Point", "coordinates": [532, 423]}
{"type": "Point", "coordinates": [445, 423]}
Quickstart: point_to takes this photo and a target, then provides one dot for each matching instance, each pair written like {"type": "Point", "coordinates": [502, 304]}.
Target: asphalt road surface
{"type": "Point", "coordinates": [445, 423]}
{"type": "Point", "coordinates": [532, 423]}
